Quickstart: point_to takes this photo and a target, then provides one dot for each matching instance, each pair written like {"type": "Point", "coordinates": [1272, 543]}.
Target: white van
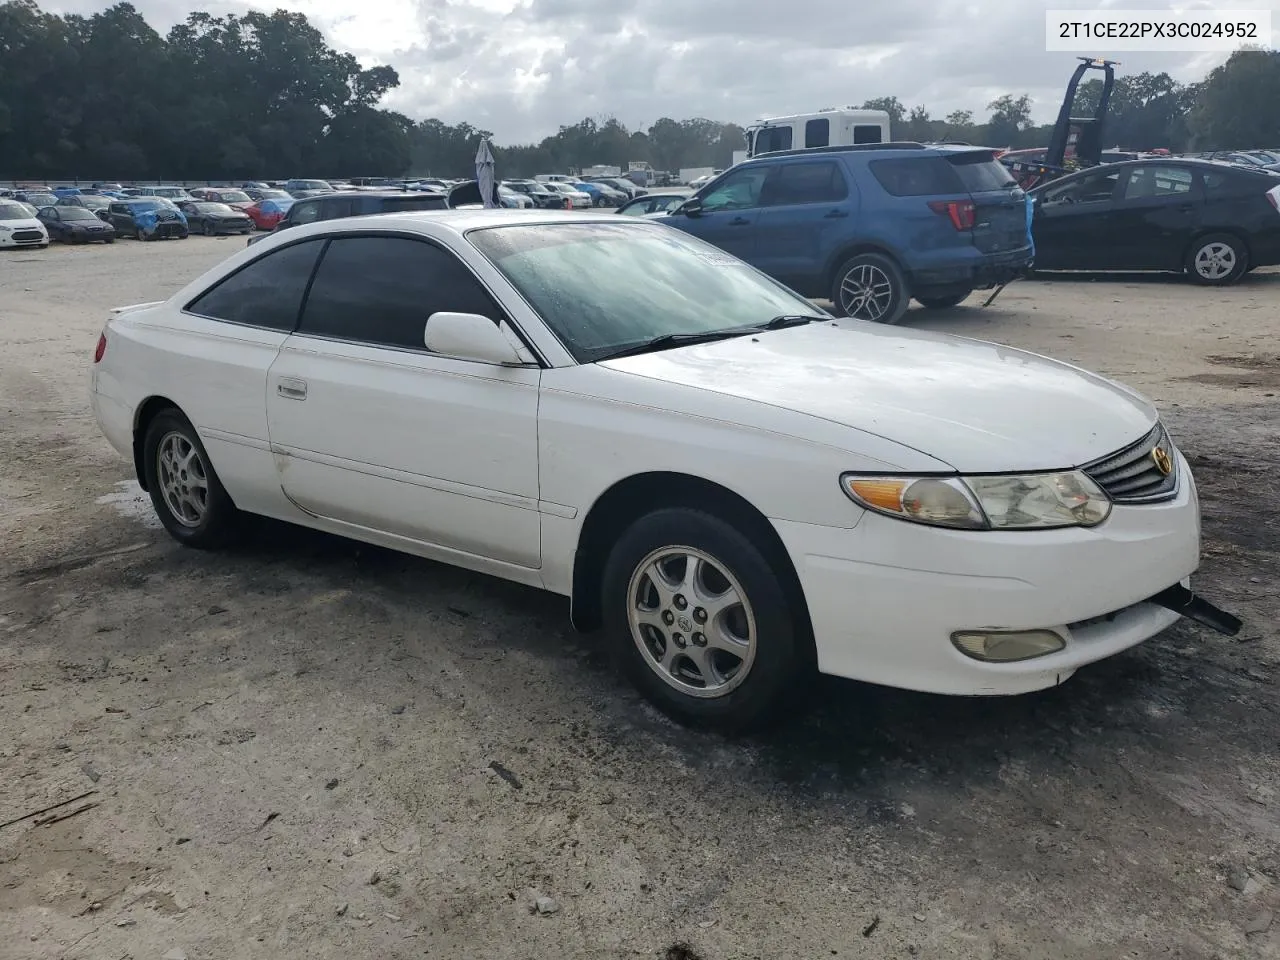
{"type": "Point", "coordinates": [833, 127]}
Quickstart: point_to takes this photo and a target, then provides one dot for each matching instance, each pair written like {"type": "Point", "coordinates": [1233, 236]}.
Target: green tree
{"type": "Point", "coordinates": [890, 105]}
{"type": "Point", "coordinates": [1010, 115]}
{"type": "Point", "coordinates": [1236, 106]}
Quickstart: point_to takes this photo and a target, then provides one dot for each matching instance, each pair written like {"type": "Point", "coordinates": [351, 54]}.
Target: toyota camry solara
{"type": "Point", "coordinates": [736, 488]}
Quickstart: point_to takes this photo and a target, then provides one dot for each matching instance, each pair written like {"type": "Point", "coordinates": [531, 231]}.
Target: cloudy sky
{"type": "Point", "coordinates": [522, 68]}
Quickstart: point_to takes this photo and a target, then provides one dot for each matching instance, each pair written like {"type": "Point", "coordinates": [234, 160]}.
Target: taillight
{"type": "Point", "coordinates": [1274, 196]}
{"type": "Point", "coordinates": [961, 213]}
{"type": "Point", "coordinates": [101, 350]}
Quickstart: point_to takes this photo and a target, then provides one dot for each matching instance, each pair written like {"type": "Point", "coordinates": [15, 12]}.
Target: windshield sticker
{"type": "Point", "coordinates": [720, 259]}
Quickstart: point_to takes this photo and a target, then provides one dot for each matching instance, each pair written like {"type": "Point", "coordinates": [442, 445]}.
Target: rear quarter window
{"type": "Point", "coordinates": [916, 176]}
{"type": "Point", "coordinates": [981, 172]}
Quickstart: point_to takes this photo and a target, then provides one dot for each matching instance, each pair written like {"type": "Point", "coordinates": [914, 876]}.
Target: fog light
{"type": "Point", "coordinates": [1007, 647]}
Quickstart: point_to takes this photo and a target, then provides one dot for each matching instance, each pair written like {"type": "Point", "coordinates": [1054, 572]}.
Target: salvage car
{"type": "Point", "coordinates": [147, 218]}
{"type": "Point", "coordinates": [211, 219]}
{"type": "Point", "coordinates": [72, 224]}
{"type": "Point", "coordinates": [20, 227]}
{"type": "Point", "coordinates": [238, 199]}
{"type": "Point", "coordinates": [1212, 221]}
{"type": "Point", "coordinates": [269, 211]}
{"type": "Point", "coordinates": [651, 204]}
{"type": "Point", "coordinates": [737, 487]}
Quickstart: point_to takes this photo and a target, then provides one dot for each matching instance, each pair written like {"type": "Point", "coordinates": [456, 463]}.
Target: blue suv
{"type": "Point", "coordinates": [869, 227]}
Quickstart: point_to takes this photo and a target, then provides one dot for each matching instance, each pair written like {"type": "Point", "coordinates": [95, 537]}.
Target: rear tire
{"type": "Point", "coordinates": [701, 622]}
{"type": "Point", "coordinates": [871, 287]}
{"type": "Point", "coordinates": [1217, 259]}
{"type": "Point", "coordinates": [185, 490]}
{"type": "Point", "coordinates": [208, 228]}
{"type": "Point", "coordinates": [943, 302]}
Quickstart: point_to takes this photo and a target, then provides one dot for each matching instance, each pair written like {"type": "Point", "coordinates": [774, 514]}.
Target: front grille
{"type": "Point", "coordinates": [1132, 475]}
{"type": "Point", "coordinates": [27, 236]}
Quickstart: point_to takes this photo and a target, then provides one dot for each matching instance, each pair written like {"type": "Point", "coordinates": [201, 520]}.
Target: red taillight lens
{"type": "Point", "coordinates": [101, 350]}
{"type": "Point", "coordinates": [960, 212]}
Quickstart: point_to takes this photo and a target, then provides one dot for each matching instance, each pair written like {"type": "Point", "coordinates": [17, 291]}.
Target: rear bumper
{"type": "Point", "coordinates": [981, 272]}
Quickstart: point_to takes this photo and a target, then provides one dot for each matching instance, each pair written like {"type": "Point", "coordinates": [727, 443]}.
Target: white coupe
{"type": "Point", "coordinates": [739, 489]}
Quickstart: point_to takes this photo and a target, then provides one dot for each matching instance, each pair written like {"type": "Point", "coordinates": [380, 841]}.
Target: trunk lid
{"type": "Point", "coordinates": [999, 204]}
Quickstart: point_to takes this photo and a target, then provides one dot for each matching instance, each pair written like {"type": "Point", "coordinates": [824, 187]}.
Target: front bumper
{"type": "Point", "coordinates": [885, 597]}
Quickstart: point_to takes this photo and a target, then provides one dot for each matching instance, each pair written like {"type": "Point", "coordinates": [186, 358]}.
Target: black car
{"type": "Point", "coordinates": [540, 195]}
{"type": "Point", "coordinates": [335, 206]}
{"type": "Point", "coordinates": [1215, 221]}
{"type": "Point", "coordinates": [75, 224]}
{"type": "Point", "coordinates": [87, 201]}
{"type": "Point", "coordinates": [212, 218]}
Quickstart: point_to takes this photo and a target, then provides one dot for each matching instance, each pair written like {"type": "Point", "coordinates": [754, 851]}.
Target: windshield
{"type": "Point", "coordinates": [92, 201]}
{"type": "Point", "coordinates": [218, 208]}
{"type": "Point", "coordinates": [77, 213]}
{"type": "Point", "coordinates": [661, 282]}
{"type": "Point", "coordinates": [311, 185]}
{"type": "Point", "coordinates": [156, 203]}
{"type": "Point", "coordinates": [274, 195]}
{"type": "Point", "coordinates": [13, 211]}
{"type": "Point", "coordinates": [42, 199]}
{"type": "Point", "coordinates": [233, 196]}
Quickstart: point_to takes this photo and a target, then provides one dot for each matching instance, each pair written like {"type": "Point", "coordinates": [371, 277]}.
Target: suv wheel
{"type": "Point", "coordinates": [870, 287]}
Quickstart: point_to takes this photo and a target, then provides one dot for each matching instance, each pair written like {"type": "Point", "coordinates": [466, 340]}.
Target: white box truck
{"type": "Point", "coordinates": [830, 127]}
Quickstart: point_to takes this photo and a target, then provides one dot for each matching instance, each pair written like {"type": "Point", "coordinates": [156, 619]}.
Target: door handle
{"type": "Point", "coordinates": [292, 389]}
{"type": "Point", "coordinates": [835, 214]}
{"type": "Point", "coordinates": [739, 222]}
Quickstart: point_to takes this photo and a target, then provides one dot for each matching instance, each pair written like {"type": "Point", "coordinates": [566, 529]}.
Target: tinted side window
{"type": "Point", "coordinates": [1218, 185]}
{"type": "Point", "coordinates": [806, 183]}
{"type": "Point", "coordinates": [265, 293]}
{"type": "Point", "coordinates": [916, 176]}
{"type": "Point", "coordinates": [863, 133]}
{"type": "Point", "coordinates": [1095, 188]}
{"type": "Point", "coordinates": [817, 133]}
{"type": "Point", "coordinates": [740, 190]}
{"type": "Point", "coordinates": [336, 209]}
{"type": "Point", "coordinates": [773, 138]}
{"type": "Point", "coordinates": [1154, 181]}
{"type": "Point", "coordinates": [304, 213]}
{"type": "Point", "coordinates": [382, 290]}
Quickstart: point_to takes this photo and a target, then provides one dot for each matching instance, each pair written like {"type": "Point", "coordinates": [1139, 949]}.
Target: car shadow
{"type": "Point", "coordinates": [851, 740]}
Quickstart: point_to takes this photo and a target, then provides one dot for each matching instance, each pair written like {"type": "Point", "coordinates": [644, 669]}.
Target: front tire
{"type": "Point", "coordinates": [870, 286]}
{"type": "Point", "coordinates": [700, 621]}
{"type": "Point", "coordinates": [208, 228]}
{"type": "Point", "coordinates": [185, 490]}
{"type": "Point", "coordinates": [1217, 260]}
{"type": "Point", "coordinates": [139, 234]}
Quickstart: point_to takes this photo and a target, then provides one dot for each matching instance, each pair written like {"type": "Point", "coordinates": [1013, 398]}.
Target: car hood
{"type": "Point", "coordinates": [31, 223]}
{"type": "Point", "coordinates": [977, 406]}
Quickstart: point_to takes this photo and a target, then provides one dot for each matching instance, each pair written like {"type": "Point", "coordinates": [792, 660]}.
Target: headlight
{"type": "Point", "coordinates": [1024, 502]}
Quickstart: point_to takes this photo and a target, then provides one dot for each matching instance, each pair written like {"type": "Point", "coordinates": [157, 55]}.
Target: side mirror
{"type": "Point", "coordinates": [691, 207]}
{"type": "Point", "coordinates": [470, 336]}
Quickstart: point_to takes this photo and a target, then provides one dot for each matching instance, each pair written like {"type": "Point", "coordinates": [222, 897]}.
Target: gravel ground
{"type": "Point", "coordinates": [311, 748]}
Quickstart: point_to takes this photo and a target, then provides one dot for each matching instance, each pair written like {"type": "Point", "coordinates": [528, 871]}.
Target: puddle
{"type": "Point", "coordinates": [132, 503]}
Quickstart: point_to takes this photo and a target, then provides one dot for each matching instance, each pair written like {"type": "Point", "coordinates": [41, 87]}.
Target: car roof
{"type": "Point", "coordinates": [456, 221]}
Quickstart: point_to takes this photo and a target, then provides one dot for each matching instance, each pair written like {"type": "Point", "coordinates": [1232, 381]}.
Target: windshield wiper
{"type": "Point", "coordinates": [668, 340]}
{"type": "Point", "coordinates": [789, 320]}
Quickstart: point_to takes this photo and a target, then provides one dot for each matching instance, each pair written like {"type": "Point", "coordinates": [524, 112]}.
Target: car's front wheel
{"type": "Point", "coordinates": [701, 621]}
{"type": "Point", "coordinates": [870, 286]}
{"type": "Point", "coordinates": [139, 234]}
{"type": "Point", "coordinates": [1217, 259]}
{"type": "Point", "coordinates": [187, 495]}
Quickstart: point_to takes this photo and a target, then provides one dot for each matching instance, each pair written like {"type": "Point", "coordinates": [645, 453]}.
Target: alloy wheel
{"type": "Point", "coordinates": [1215, 261]}
{"type": "Point", "coordinates": [692, 621]}
{"type": "Point", "coordinates": [866, 292]}
{"type": "Point", "coordinates": [184, 480]}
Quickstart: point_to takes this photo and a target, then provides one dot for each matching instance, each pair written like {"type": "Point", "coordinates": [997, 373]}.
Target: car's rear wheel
{"type": "Point", "coordinates": [701, 622]}
{"type": "Point", "coordinates": [208, 228]}
{"type": "Point", "coordinates": [942, 301]}
{"type": "Point", "coordinates": [870, 286]}
{"type": "Point", "coordinates": [1217, 259]}
{"type": "Point", "coordinates": [187, 495]}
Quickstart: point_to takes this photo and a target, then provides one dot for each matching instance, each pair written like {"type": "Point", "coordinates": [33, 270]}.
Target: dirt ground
{"type": "Point", "coordinates": [308, 748]}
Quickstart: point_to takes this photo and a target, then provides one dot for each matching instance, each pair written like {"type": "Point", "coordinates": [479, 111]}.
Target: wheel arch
{"type": "Point", "coordinates": [850, 250]}
{"type": "Point", "coordinates": [147, 411]}
{"type": "Point", "coordinates": [1206, 232]}
{"type": "Point", "coordinates": [633, 497]}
